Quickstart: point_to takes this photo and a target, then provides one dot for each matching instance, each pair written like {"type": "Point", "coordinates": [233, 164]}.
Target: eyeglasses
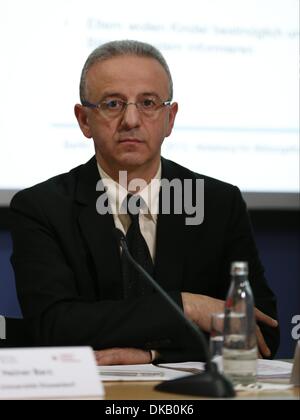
{"type": "Point", "coordinates": [113, 108]}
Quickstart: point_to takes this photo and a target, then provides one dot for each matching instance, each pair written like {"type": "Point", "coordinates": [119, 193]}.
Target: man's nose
{"type": "Point", "coordinates": [132, 116]}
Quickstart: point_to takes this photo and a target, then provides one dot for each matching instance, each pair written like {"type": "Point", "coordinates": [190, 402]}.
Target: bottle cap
{"type": "Point", "coordinates": [239, 268]}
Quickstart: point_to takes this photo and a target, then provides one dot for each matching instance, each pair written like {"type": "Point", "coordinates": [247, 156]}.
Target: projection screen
{"type": "Point", "coordinates": [235, 65]}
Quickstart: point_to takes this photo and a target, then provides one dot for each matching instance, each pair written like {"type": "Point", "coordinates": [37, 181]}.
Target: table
{"type": "Point", "coordinates": [146, 391]}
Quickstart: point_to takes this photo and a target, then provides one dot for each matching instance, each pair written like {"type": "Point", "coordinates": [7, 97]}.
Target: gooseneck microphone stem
{"type": "Point", "coordinates": [209, 383]}
{"type": "Point", "coordinates": [186, 322]}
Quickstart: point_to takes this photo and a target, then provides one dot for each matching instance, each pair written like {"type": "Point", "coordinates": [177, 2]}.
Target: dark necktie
{"type": "Point", "coordinates": [134, 284]}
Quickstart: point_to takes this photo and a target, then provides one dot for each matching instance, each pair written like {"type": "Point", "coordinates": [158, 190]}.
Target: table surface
{"type": "Point", "coordinates": [146, 391]}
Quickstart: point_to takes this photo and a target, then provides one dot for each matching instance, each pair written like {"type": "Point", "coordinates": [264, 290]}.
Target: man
{"type": "Point", "coordinates": [75, 286]}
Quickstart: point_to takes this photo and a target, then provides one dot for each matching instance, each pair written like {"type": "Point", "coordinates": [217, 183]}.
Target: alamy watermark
{"type": "Point", "coordinates": [296, 329]}
{"type": "Point", "coordinates": [2, 328]}
{"type": "Point", "coordinates": [177, 197]}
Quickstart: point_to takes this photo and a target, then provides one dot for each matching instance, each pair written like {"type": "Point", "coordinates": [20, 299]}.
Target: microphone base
{"type": "Point", "coordinates": [207, 384]}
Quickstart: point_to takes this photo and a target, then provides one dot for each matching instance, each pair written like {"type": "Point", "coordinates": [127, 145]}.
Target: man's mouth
{"type": "Point", "coordinates": [130, 140]}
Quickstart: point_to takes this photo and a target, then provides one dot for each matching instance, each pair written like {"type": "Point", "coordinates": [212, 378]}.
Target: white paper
{"type": "Point", "coordinates": [266, 368]}
{"type": "Point", "coordinates": [52, 373]}
{"type": "Point", "coordinates": [138, 373]}
{"type": "Point", "coordinates": [274, 369]}
{"type": "Point", "coordinates": [262, 386]}
{"type": "Point", "coordinates": [188, 367]}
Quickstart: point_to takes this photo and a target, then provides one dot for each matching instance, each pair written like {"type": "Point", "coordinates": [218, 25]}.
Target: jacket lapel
{"type": "Point", "coordinates": [169, 261]}
{"type": "Point", "coordinates": [97, 231]}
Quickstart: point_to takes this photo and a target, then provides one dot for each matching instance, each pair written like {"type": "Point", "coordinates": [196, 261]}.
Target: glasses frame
{"type": "Point", "coordinates": [97, 105]}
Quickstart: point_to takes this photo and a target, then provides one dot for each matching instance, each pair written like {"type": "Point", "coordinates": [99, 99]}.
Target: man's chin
{"type": "Point", "coordinates": [132, 162]}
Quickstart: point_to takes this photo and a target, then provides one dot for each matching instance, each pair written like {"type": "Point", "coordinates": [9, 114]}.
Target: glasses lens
{"type": "Point", "coordinates": [149, 106]}
{"type": "Point", "coordinates": [112, 108]}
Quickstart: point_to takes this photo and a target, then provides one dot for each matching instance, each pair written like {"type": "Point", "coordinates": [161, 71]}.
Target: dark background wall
{"type": "Point", "coordinates": [278, 240]}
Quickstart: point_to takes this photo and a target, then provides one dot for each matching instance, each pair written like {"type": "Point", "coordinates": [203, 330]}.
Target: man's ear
{"type": "Point", "coordinates": [171, 118]}
{"type": "Point", "coordinates": [82, 118]}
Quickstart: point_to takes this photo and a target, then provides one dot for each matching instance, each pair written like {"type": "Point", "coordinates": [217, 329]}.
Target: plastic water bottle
{"type": "Point", "coordinates": [240, 344]}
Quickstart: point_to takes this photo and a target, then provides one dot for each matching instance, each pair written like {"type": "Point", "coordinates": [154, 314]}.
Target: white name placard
{"type": "Point", "coordinates": [69, 372]}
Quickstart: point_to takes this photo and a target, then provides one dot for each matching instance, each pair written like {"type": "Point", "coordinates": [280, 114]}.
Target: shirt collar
{"type": "Point", "coordinates": [117, 193]}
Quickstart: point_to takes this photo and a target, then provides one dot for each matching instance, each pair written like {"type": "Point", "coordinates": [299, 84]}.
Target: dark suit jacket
{"type": "Point", "coordinates": [68, 269]}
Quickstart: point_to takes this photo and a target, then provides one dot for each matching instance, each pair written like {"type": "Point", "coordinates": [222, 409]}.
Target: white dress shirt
{"type": "Point", "coordinates": [148, 216]}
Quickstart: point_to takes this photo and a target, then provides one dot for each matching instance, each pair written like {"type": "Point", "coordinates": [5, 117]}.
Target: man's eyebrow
{"type": "Point", "coordinates": [121, 95]}
{"type": "Point", "coordinates": [111, 93]}
{"type": "Point", "coordinates": [149, 94]}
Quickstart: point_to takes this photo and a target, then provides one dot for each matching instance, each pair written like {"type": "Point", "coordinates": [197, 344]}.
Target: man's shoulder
{"type": "Point", "coordinates": [59, 187]}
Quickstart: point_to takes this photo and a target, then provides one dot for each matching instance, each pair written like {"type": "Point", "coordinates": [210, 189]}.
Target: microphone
{"type": "Point", "coordinates": [210, 383]}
